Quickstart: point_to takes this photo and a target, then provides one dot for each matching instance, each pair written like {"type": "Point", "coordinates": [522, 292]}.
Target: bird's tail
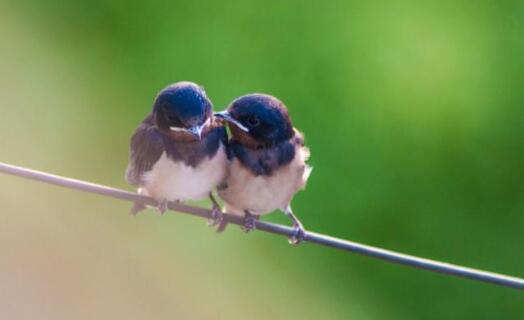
{"type": "Point", "coordinates": [136, 208]}
{"type": "Point", "coordinates": [222, 226]}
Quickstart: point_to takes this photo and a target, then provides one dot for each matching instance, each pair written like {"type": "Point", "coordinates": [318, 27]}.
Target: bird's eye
{"type": "Point", "coordinates": [253, 121]}
{"type": "Point", "coordinates": [171, 117]}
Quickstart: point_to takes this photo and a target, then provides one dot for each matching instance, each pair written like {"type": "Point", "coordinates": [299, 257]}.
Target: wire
{"type": "Point", "coordinates": [312, 237]}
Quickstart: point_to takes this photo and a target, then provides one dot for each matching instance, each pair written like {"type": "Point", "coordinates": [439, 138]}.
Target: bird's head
{"type": "Point", "coordinates": [258, 120]}
{"type": "Point", "coordinates": [182, 108]}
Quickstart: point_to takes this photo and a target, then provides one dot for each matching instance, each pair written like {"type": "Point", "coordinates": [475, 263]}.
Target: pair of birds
{"type": "Point", "coordinates": [181, 151]}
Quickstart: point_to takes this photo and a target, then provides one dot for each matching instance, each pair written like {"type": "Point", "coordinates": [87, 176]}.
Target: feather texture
{"type": "Point", "coordinates": [247, 188]}
{"type": "Point", "coordinates": [167, 169]}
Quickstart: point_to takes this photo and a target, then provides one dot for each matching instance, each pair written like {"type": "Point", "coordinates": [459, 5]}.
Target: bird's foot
{"type": "Point", "coordinates": [298, 235]}
{"type": "Point", "coordinates": [249, 222]}
{"type": "Point", "coordinates": [216, 217]}
{"type": "Point", "coordinates": [162, 206]}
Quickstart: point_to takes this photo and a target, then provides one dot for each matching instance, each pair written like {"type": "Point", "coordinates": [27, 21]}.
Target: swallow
{"type": "Point", "coordinates": [178, 152]}
{"type": "Point", "coordinates": [267, 161]}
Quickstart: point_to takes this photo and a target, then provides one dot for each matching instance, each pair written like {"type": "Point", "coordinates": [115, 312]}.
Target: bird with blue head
{"type": "Point", "coordinates": [178, 152]}
{"type": "Point", "coordinates": [267, 161]}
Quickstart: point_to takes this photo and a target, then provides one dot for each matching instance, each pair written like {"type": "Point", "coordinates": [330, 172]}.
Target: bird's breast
{"type": "Point", "coordinates": [174, 180]}
{"type": "Point", "coordinates": [261, 194]}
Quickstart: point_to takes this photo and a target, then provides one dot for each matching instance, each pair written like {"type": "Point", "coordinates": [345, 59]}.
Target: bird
{"type": "Point", "coordinates": [267, 161]}
{"type": "Point", "coordinates": [178, 152]}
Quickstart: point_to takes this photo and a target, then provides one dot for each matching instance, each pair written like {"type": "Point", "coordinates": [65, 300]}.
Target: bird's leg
{"type": "Point", "coordinates": [216, 214]}
{"type": "Point", "coordinates": [299, 233]}
{"type": "Point", "coordinates": [249, 221]}
{"type": "Point", "coordinates": [162, 206]}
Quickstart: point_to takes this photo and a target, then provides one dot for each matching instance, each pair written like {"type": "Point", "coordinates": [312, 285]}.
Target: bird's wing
{"type": "Point", "coordinates": [147, 146]}
{"type": "Point", "coordinates": [303, 153]}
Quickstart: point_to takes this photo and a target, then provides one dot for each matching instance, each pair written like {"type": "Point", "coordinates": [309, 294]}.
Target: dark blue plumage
{"type": "Point", "coordinates": [265, 116]}
{"type": "Point", "coordinates": [149, 143]}
{"type": "Point", "coordinates": [268, 160]}
{"type": "Point", "coordinates": [178, 152]}
{"type": "Point", "coordinates": [263, 161]}
{"type": "Point", "coordinates": [270, 140]}
{"type": "Point", "coordinates": [182, 106]}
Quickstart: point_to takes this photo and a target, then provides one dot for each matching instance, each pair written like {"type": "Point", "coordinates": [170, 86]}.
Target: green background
{"type": "Point", "coordinates": [413, 112]}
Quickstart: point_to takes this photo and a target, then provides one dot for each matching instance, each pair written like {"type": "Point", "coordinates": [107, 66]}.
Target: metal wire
{"type": "Point", "coordinates": [312, 237]}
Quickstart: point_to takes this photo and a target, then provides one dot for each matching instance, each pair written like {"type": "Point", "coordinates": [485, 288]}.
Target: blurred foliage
{"type": "Point", "coordinates": [413, 111]}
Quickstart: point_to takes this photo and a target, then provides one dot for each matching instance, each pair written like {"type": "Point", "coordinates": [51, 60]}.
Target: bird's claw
{"type": "Point", "coordinates": [162, 206]}
{"type": "Point", "coordinates": [249, 223]}
{"type": "Point", "coordinates": [216, 217]}
{"type": "Point", "coordinates": [298, 235]}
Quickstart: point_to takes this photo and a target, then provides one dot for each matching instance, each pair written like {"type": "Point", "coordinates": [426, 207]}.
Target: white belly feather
{"type": "Point", "coordinates": [176, 181]}
{"type": "Point", "coordinates": [263, 194]}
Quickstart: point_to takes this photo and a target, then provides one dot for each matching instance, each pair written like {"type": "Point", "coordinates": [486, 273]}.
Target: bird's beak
{"type": "Point", "coordinates": [227, 117]}
{"type": "Point", "coordinates": [197, 131]}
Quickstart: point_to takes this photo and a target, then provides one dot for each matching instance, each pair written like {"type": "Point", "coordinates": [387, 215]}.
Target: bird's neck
{"type": "Point", "coordinates": [249, 142]}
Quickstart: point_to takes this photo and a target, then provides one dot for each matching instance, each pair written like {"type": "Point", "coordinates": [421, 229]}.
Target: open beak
{"type": "Point", "coordinates": [227, 117]}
